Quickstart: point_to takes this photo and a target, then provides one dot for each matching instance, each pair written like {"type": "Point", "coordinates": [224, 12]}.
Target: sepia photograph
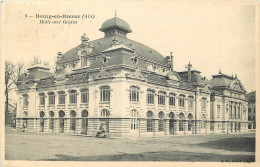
{"type": "Point", "coordinates": [129, 81]}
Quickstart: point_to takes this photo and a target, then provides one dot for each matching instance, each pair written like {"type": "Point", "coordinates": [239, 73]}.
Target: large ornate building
{"type": "Point", "coordinates": [130, 88]}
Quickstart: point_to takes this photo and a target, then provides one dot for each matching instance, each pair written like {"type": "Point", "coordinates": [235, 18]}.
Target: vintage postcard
{"type": "Point", "coordinates": [126, 83]}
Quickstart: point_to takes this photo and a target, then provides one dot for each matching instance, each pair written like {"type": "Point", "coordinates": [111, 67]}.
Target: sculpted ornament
{"type": "Point", "coordinates": [85, 47]}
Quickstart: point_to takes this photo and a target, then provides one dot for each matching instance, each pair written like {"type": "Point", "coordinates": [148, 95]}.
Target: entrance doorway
{"type": "Point", "coordinates": [42, 114]}
{"type": "Point", "coordinates": [171, 123]}
{"type": "Point", "coordinates": [61, 121]}
{"type": "Point", "coordinates": [84, 123]}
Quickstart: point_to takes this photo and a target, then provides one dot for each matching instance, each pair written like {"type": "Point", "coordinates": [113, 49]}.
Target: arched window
{"type": "Point", "coordinates": [105, 93]}
{"type": "Point", "coordinates": [105, 113]}
{"type": "Point", "coordinates": [73, 97]}
{"type": "Point", "coordinates": [190, 101]}
{"type": "Point", "coordinates": [61, 121]}
{"type": "Point", "coordinates": [181, 117]}
{"type": "Point", "coordinates": [203, 103]}
{"type": "Point", "coordinates": [161, 120]}
{"type": "Point", "coordinates": [190, 117]}
{"type": "Point", "coordinates": [72, 120]}
{"type": "Point", "coordinates": [134, 119]}
{"type": "Point", "coordinates": [149, 115]}
{"type": "Point", "coordinates": [161, 98]}
{"type": "Point", "coordinates": [25, 100]}
{"type": "Point", "coordinates": [51, 119]}
{"type": "Point", "coordinates": [42, 114]}
{"type": "Point", "coordinates": [42, 99]}
{"type": "Point", "coordinates": [134, 94]}
{"type": "Point", "coordinates": [172, 99]}
{"type": "Point", "coordinates": [61, 114]}
{"type": "Point", "coordinates": [25, 114]}
{"type": "Point", "coordinates": [182, 100]}
{"type": "Point", "coordinates": [171, 115]}
{"type": "Point", "coordinates": [84, 113]}
{"type": "Point", "coordinates": [150, 96]}
{"type": "Point", "coordinates": [61, 97]}
{"type": "Point", "coordinates": [51, 98]}
{"type": "Point", "coordinates": [84, 96]}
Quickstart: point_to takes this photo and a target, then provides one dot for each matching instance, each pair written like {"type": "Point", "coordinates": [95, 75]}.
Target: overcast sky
{"type": "Point", "coordinates": [209, 35]}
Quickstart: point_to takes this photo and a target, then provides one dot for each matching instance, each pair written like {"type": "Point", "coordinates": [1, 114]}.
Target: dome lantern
{"type": "Point", "coordinates": [115, 26]}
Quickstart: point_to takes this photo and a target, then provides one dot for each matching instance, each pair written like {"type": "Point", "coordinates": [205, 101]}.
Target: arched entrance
{"type": "Point", "coordinates": [84, 115]}
{"type": "Point", "coordinates": [149, 115]}
{"type": "Point", "coordinates": [42, 114]}
{"type": "Point", "coordinates": [61, 121]}
{"type": "Point", "coordinates": [171, 123]}
{"type": "Point", "coordinates": [181, 122]}
{"type": "Point", "coordinates": [72, 120]}
{"type": "Point", "coordinates": [190, 118]}
{"type": "Point", "coordinates": [51, 120]}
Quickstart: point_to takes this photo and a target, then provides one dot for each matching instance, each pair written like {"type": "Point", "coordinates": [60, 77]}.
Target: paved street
{"type": "Point", "coordinates": [62, 147]}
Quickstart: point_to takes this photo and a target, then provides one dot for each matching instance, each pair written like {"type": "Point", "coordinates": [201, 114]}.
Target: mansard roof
{"type": "Point", "coordinates": [225, 81]}
{"type": "Point", "coordinates": [104, 44]}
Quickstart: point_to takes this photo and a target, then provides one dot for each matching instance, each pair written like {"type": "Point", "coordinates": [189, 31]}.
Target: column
{"type": "Point", "coordinates": [185, 126]}
{"type": "Point", "coordinates": [166, 127]}
{"type": "Point", "coordinates": [193, 127]}
{"type": "Point", "coordinates": [207, 127]}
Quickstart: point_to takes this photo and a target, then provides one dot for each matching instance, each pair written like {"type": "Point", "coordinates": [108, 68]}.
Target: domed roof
{"type": "Point", "coordinates": [115, 22]}
{"type": "Point", "coordinates": [105, 43]}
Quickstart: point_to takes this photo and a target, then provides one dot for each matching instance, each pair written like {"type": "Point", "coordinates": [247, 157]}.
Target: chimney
{"type": "Point", "coordinates": [189, 71]}
{"type": "Point", "coordinates": [59, 56]}
{"type": "Point", "coordinates": [171, 61]}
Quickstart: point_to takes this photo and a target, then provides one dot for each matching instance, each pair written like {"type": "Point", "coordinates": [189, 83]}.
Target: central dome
{"type": "Point", "coordinates": [115, 23]}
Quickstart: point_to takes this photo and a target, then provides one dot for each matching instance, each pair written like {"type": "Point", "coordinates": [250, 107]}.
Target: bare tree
{"type": "Point", "coordinates": [9, 81]}
{"type": "Point", "coordinates": [11, 75]}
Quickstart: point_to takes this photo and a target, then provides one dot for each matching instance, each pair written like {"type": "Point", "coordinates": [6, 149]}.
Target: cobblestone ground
{"type": "Point", "coordinates": [62, 147]}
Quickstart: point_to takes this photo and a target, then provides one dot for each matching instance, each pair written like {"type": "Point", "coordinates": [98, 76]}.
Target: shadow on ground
{"type": "Point", "coordinates": [160, 156]}
{"type": "Point", "coordinates": [244, 144]}
{"type": "Point", "coordinates": [231, 144]}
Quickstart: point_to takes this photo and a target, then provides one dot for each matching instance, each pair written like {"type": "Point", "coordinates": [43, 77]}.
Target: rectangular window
{"type": "Point", "coordinates": [181, 102]}
{"type": "Point", "coordinates": [105, 94]}
{"type": "Point", "coordinates": [42, 100]}
{"type": "Point", "coordinates": [84, 61]}
{"type": "Point", "coordinates": [51, 99]}
{"type": "Point", "coordinates": [25, 101]}
{"type": "Point", "coordinates": [150, 97]}
{"type": "Point", "coordinates": [134, 94]}
{"type": "Point", "coordinates": [73, 98]}
{"type": "Point", "coordinates": [190, 103]}
{"type": "Point", "coordinates": [172, 100]}
{"type": "Point", "coordinates": [84, 97]}
{"type": "Point", "coordinates": [161, 99]}
{"type": "Point", "coordinates": [61, 98]}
